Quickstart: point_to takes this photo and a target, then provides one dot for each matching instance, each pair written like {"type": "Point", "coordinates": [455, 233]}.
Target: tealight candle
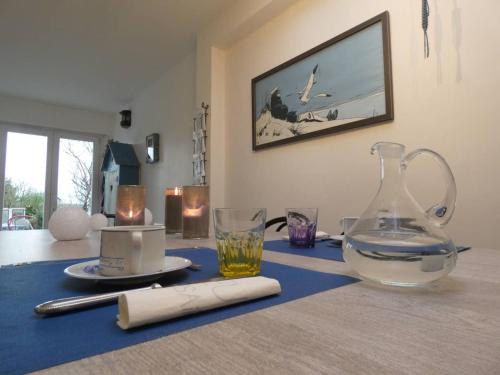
{"type": "Point", "coordinates": [173, 210]}
{"type": "Point", "coordinates": [130, 204]}
{"type": "Point", "coordinates": [195, 211]}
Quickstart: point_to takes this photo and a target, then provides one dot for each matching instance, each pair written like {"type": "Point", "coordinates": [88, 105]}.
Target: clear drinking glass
{"type": "Point", "coordinates": [239, 235]}
{"type": "Point", "coordinates": [302, 223]}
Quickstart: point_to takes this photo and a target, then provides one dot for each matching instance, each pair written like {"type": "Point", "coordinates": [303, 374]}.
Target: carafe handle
{"type": "Point", "coordinates": [440, 213]}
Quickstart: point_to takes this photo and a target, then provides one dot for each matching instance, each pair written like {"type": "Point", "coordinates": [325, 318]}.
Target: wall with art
{"type": "Point", "coordinates": [446, 102]}
{"type": "Point", "coordinates": [166, 107]}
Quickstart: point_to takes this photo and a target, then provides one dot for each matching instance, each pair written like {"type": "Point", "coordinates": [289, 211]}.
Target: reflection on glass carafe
{"type": "Point", "coordinates": [395, 241]}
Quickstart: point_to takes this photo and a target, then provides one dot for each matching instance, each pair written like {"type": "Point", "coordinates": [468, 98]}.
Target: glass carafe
{"type": "Point", "coordinates": [395, 241]}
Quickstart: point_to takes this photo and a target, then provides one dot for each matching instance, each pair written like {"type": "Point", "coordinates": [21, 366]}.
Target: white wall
{"type": "Point", "coordinates": [236, 22]}
{"type": "Point", "coordinates": [167, 108]}
{"type": "Point", "coordinates": [35, 113]}
{"type": "Point", "coordinates": [447, 103]}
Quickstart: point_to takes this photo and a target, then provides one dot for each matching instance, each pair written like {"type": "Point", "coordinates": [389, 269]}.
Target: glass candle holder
{"type": "Point", "coordinates": [302, 223]}
{"type": "Point", "coordinates": [195, 211]}
{"type": "Point", "coordinates": [173, 210]}
{"type": "Point", "coordinates": [130, 203]}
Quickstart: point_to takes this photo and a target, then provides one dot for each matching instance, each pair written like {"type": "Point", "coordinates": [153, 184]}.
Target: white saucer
{"type": "Point", "coordinates": [90, 270]}
{"type": "Point", "coordinates": [320, 236]}
{"type": "Point", "coordinates": [337, 237]}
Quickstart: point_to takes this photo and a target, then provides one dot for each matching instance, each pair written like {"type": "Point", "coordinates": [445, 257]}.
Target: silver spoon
{"type": "Point", "coordinates": [74, 303]}
{"type": "Point", "coordinates": [195, 267]}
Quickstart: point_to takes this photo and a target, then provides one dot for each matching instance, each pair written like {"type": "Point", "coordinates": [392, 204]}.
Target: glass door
{"type": "Point", "coordinates": [75, 177]}
{"type": "Point", "coordinates": [43, 169]}
{"type": "Point", "coordinates": [24, 180]}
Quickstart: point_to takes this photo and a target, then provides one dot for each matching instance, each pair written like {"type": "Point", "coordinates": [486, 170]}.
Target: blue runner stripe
{"type": "Point", "coordinates": [321, 249]}
{"type": "Point", "coordinates": [29, 342]}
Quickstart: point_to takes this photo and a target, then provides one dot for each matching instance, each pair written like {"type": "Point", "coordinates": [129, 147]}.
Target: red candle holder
{"type": "Point", "coordinates": [173, 210]}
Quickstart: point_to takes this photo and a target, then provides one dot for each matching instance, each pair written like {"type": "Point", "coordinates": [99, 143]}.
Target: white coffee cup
{"type": "Point", "coordinates": [132, 250]}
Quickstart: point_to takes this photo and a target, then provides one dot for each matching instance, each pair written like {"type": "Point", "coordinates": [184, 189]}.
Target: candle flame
{"type": "Point", "coordinates": [176, 191]}
{"type": "Point", "coordinates": [192, 212]}
{"type": "Point", "coordinates": [130, 214]}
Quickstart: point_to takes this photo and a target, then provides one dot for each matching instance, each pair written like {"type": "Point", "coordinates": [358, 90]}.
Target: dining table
{"type": "Point", "coordinates": [451, 327]}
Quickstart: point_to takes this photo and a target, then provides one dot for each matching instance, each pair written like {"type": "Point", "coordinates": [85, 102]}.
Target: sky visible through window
{"type": "Point", "coordinates": [26, 160]}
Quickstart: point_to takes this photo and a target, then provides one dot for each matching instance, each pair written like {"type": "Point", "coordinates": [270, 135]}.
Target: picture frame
{"type": "Point", "coordinates": [152, 148]}
{"type": "Point", "coordinates": [341, 84]}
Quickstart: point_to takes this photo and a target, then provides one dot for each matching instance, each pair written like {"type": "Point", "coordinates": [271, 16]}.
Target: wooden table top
{"type": "Point", "coordinates": [453, 328]}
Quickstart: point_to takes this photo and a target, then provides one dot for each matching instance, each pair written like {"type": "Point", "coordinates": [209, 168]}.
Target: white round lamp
{"type": "Point", "coordinates": [69, 223]}
{"type": "Point", "coordinates": [148, 217]}
{"type": "Point", "coordinates": [98, 221]}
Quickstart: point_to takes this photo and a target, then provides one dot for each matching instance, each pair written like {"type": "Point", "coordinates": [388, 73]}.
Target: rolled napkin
{"type": "Point", "coordinates": [150, 306]}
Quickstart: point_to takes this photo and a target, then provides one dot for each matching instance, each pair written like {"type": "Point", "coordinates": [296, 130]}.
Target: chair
{"type": "Point", "coordinates": [277, 220]}
{"type": "Point", "coordinates": [26, 224]}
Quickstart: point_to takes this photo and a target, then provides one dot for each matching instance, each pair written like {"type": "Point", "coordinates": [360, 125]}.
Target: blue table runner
{"type": "Point", "coordinates": [29, 342]}
{"type": "Point", "coordinates": [321, 249]}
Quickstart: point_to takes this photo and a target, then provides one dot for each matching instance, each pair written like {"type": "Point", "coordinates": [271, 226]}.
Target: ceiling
{"type": "Point", "coordinates": [95, 54]}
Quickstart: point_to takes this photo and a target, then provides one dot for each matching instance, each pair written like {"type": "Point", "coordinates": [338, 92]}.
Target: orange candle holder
{"type": "Point", "coordinates": [130, 203]}
{"type": "Point", "coordinates": [195, 211]}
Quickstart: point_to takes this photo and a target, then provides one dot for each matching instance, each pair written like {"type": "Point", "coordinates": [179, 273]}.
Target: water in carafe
{"type": "Point", "coordinates": [395, 241]}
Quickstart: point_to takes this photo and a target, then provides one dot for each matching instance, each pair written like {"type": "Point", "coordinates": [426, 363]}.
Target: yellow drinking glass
{"type": "Point", "coordinates": [239, 235]}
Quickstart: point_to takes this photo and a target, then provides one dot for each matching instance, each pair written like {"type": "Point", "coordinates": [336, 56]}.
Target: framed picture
{"type": "Point", "coordinates": [152, 148]}
{"type": "Point", "coordinates": [343, 83]}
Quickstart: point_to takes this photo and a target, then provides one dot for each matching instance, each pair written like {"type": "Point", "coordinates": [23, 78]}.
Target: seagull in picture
{"type": "Point", "coordinates": [305, 94]}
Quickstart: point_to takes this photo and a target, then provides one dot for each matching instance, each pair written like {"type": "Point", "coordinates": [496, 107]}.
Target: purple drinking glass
{"type": "Point", "coordinates": [302, 223]}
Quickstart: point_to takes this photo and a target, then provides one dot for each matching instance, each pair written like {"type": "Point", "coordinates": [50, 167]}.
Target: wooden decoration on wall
{"type": "Point", "coordinates": [425, 25]}
{"type": "Point", "coordinates": [152, 148]}
{"type": "Point", "coordinates": [200, 145]}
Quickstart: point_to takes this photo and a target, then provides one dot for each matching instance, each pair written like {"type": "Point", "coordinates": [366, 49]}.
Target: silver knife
{"type": "Point", "coordinates": [63, 305]}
